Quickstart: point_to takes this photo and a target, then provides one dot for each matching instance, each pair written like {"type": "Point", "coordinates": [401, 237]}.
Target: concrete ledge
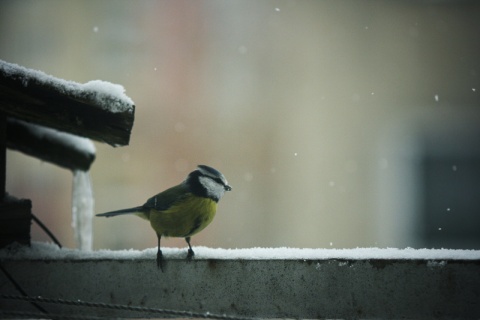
{"type": "Point", "coordinates": [270, 288]}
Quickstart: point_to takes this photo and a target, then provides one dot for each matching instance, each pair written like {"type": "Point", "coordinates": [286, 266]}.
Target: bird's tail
{"type": "Point", "coordinates": [136, 210]}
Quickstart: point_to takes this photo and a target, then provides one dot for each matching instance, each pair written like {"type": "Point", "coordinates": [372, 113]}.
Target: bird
{"type": "Point", "coordinates": [182, 210]}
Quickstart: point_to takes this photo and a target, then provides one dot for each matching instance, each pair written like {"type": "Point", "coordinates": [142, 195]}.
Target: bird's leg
{"type": "Point", "coordinates": [159, 254]}
{"type": "Point", "coordinates": [190, 251]}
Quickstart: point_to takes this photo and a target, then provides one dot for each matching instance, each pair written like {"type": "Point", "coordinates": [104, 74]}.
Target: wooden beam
{"type": "Point", "coordinates": [3, 155]}
{"type": "Point", "coordinates": [63, 149]}
{"type": "Point", "coordinates": [15, 221]}
{"type": "Point", "coordinates": [84, 110]}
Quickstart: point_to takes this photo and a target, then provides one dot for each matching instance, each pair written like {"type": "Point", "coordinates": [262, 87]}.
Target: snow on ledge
{"type": "Point", "coordinates": [108, 96]}
{"type": "Point", "coordinates": [49, 251]}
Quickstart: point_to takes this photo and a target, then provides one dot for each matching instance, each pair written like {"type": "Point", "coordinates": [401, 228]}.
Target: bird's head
{"type": "Point", "coordinates": [207, 182]}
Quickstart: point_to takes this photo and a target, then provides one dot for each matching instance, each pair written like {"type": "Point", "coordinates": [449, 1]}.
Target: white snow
{"type": "Point", "coordinates": [49, 251]}
{"type": "Point", "coordinates": [82, 210]}
{"type": "Point", "coordinates": [105, 95]}
{"type": "Point", "coordinates": [109, 94]}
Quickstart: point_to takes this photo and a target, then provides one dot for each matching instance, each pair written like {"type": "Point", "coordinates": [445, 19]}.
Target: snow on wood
{"type": "Point", "coordinates": [98, 109]}
{"type": "Point", "coordinates": [258, 282]}
{"type": "Point", "coordinates": [103, 94]}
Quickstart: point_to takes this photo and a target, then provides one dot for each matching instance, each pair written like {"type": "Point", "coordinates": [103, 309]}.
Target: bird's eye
{"type": "Point", "coordinates": [219, 181]}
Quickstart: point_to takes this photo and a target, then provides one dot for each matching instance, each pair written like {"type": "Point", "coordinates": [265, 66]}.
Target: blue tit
{"type": "Point", "coordinates": [183, 210]}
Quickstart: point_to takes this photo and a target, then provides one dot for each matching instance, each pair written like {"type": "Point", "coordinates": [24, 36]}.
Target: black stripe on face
{"type": "Point", "coordinates": [214, 174]}
{"type": "Point", "coordinates": [219, 181]}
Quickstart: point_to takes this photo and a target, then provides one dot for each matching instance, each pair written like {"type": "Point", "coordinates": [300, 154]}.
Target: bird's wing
{"type": "Point", "coordinates": [167, 198]}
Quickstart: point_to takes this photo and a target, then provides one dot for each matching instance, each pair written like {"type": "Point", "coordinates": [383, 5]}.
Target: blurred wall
{"type": "Point", "coordinates": [305, 106]}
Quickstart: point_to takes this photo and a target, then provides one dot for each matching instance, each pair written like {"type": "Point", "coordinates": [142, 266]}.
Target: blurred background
{"type": "Point", "coordinates": [339, 124]}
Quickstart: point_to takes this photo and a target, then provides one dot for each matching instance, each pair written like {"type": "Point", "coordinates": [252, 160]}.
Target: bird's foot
{"type": "Point", "coordinates": [160, 260]}
{"type": "Point", "coordinates": [190, 254]}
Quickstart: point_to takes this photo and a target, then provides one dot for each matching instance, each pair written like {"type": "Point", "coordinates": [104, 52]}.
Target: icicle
{"type": "Point", "coordinates": [82, 209]}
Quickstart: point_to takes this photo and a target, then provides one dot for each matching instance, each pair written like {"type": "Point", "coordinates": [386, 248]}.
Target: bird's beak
{"type": "Point", "coordinates": [228, 188]}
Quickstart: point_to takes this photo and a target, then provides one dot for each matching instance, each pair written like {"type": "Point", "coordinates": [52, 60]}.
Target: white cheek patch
{"type": "Point", "coordinates": [214, 188]}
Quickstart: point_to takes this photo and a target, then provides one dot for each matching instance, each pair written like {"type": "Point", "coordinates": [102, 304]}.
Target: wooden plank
{"type": "Point", "coordinates": [47, 103]}
{"type": "Point", "coordinates": [15, 221]}
{"type": "Point", "coordinates": [3, 155]}
{"type": "Point", "coordinates": [62, 149]}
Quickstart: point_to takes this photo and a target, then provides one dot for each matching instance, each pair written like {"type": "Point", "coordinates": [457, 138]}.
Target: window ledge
{"type": "Point", "coordinates": [267, 283]}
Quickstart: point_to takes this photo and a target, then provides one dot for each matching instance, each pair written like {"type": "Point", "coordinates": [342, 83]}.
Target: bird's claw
{"type": "Point", "coordinates": [160, 260]}
{"type": "Point", "coordinates": [190, 254]}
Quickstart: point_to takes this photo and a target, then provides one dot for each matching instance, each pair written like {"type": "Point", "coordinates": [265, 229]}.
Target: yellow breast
{"type": "Point", "coordinates": [185, 218]}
